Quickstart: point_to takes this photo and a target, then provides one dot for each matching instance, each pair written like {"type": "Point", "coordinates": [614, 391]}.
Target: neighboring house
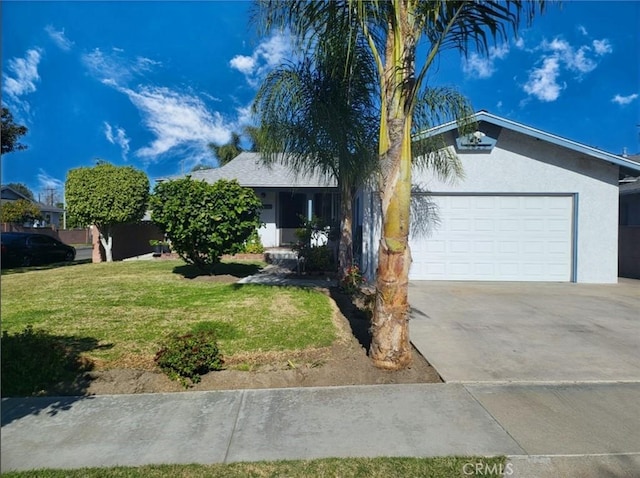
{"type": "Point", "coordinates": [630, 197]}
{"type": "Point", "coordinates": [286, 197]}
{"type": "Point", "coordinates": [532, 207]}
{"type": "Point", "coordinates": [51, 215]}
{"type": "Point", "coordinates": [629, 232]}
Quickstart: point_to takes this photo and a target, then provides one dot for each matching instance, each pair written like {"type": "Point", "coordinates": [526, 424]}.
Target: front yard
{"type": "Point", "coordinates": [116, 315]}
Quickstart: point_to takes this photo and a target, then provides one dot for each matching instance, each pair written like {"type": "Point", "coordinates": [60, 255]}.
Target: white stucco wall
{"type": "Point", "coordinates": [268, 232]}
{"type": "Point", "coordinates": [522, 164]}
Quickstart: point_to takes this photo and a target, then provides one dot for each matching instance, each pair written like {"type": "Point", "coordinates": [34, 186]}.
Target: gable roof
{"type": "Point", "coordinates": [249, 170]}
{"type": "Point", "coordinates": [7, 193]}
{"type": "Point", "coordinates": [627, 166]}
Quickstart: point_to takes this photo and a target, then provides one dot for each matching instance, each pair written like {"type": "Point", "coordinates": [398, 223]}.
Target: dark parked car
{"type": "Point", "coordinates": [26, 249]}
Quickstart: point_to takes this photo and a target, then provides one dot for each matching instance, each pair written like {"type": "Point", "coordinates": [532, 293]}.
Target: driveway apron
{"type": "Point", "coordinates": [528, 332]}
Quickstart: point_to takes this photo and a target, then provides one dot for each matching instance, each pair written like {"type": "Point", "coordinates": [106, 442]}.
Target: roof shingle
{"type": "Point", "coordinates": [248, 169]}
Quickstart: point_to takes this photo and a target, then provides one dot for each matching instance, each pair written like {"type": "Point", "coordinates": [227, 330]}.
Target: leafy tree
{"type": "Point", "coordinates": [10, 133]}
{"type": "Point", "coordinates": [321, 114]}
{"type": "Point", "coordinates": [204, 221]}
{"type": "Point", "coordinates": [19, 212]}
{"type": "Point", "coordinates": [22, 189]}
{"type": "Point", "coordinates": [105, 195]}
{"type": "Point", "coordinates": [394, 29]}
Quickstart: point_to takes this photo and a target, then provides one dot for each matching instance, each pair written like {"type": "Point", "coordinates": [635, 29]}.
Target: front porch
{"type": "Point", "coordinates": [284, 211]}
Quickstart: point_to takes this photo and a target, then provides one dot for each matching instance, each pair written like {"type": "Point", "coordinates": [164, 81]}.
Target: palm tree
{"type": "Point", "coordinates": [393, 30]}
{"type": "Point", "coordinates": [253, 134]}
{"type": "Point", "coordinates": [319, 116]}
{"type": "Point", "coordinates": [228, 151]}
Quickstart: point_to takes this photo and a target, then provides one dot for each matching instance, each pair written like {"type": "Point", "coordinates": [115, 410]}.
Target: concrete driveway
{"type": "Point", "coordinates": [528, 332]}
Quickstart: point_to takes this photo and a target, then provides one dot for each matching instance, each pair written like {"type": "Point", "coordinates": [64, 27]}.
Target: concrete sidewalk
{"type": "Point", "coordinates": [546, 430]}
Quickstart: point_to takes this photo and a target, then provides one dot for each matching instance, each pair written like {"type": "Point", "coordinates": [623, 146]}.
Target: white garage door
{"type": "Point", "coordinates": [496, 238]}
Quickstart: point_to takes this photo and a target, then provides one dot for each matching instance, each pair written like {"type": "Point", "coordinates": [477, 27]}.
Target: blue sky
{"type": "Point", "coordinates": [150, 84]}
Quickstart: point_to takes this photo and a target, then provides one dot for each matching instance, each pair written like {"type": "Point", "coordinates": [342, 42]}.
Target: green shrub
{"type": "Point", "coordinates": [352, 281]}
{"type": "Point", "coordinates": [318, 259]}
{"type": "Point", "coordinates": [205, 221]}
{"type": "Point", "coordinates": [187, 357]}
{"type": "Point", "coordinates": [253, 245]}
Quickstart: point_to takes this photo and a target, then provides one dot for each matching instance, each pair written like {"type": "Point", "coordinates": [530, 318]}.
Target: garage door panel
{"type": "Point", "coordinates": [483, 247]}
{"type": "Point", "coordinates": [484, 225]}
{"type": "Point", "coordinates": [515, 238]}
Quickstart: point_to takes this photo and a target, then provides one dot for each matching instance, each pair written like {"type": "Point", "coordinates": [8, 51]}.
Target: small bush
{"type": "Point", "coordinates": [353, 281]}
{"type": "Point", "coordinates": [318, 259]}
{"type": "Point", "coordinates": [253, 245]}
{"type": "Point", "coordinates": [187, 357]}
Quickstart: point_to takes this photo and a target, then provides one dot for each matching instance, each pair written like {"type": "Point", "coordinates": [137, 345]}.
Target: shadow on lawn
{"type": "Point", "coordinates": [235, 269]}
{"type": "Point", "coordinates": [48, 369]}
{"type": "Point", "coordinates": [56, 265]}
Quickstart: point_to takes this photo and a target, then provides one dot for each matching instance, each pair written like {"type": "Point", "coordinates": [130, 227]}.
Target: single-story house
{"type": "Point", "coordinates": [532, 206]}
{"type": "Point", "coordinates": [51, 215]}
{"type": "Point", "coordinates": [286, 196]}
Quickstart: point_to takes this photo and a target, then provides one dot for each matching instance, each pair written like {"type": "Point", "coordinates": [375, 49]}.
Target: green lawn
{"type": "Point", "coordinates": [121, 311]}
{"type": "Point", "coordinates": [443, 467]}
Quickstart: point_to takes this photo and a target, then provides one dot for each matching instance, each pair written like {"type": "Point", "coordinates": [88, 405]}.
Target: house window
{"type": "Point", "coordinates": [293, 207]}
{"type": "Point", "coordinates": [326, 206]}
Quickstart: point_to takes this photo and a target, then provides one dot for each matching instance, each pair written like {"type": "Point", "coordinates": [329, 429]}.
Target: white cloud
{"type": "Point", "coordinates": [543, 82]}
{"type": "Point", "coordinates": [624, 100]}
{"type": "Point", "coordinates": [244, 64]}
{"type": "Point", "coordinates": [47, 182]}
{"type": "Point", "coordinates": [581, 62]}
{"type": "Point", "coordinates": [114, 67]}
{"type": "Point", "coordinates": [500, 51]}
{"type": "Point", "coordinates": [120, 138]}
{"type": "Point", "coordinates": [59, 38]}
{"type": "Point", "coordinates": [558, 56]}
{"type": "Point", "coordinates": [602, 47]}
{"type": "Point", "coordinates": [484, 67]}
{"type": "Point", "coordinates": [519, 43]}
{"type": "Point", "coordinates": [477, 66]}
{"type": "Point", "coordinates": [245, 115]}
{"type": "Point", "coordinates": [583, 30]}
{"type": "Point", "coordinates": [577, 59]}
{"type": "Point", "coordinates": [143, 64]}
{"type": "Point", "coordinates": [264, 58]}
{"type": "Point", "coordinates": [180, 123]}
{"type": "Point", "coordinates": [24, 75]}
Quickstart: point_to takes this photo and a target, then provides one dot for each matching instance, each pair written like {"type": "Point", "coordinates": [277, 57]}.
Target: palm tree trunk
{"type": "Point", "coordinates": [345, 247]}
{"type": "Point", "coordinates": [390, 347]}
